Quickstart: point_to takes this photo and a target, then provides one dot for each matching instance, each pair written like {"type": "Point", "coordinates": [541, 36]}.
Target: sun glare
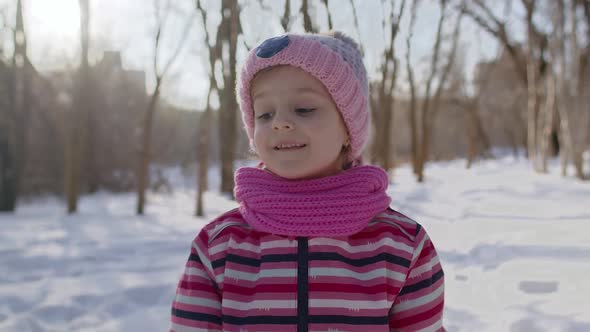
{"type": "Point", "coordinates": [59, 18]}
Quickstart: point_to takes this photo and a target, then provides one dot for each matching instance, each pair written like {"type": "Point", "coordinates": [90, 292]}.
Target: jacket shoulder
{"type": "Point", "coordinates": [397, 222]}
{"type": "Point", "coordinates": [227, 221]}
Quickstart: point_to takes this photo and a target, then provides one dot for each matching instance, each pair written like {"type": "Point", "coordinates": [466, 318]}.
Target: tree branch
{"type": "Point", "coordinates": [451, 59]}
{"type": "Point", "coordinates": [210, 48]}
{"type": "Point", "coordinates": [436, 54]}
{"type": "Point", "coordinates": [356, 25]}
{"type": "Point", "coordinates": [183, 37]}
{"type": "Point", "coordinates": [330, 27]}
{"type": "Point", "coordinates": [307, 22]}
{"type": "Point", "coordinates": [497, 29]}
{"type": "Point", "coordinates": [286, 19]}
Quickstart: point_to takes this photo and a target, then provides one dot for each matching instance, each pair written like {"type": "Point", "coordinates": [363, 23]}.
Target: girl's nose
{"type": "Point", "coordinates": [281, 123]}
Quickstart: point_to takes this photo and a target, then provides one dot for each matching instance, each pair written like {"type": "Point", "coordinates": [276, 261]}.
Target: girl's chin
{"type": "Point", "coordinates": [299, 174]}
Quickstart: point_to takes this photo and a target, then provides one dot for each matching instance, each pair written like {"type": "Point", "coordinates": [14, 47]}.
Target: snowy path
{"type": "Point", "coordinates": [515, 248]}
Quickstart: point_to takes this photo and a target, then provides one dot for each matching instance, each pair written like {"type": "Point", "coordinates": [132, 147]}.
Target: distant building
{"type": "Point", "coordinates": [116, 105]}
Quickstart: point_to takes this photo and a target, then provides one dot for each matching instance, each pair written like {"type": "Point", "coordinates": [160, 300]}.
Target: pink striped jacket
{"type": "Point", "coordinates": [385, 278]}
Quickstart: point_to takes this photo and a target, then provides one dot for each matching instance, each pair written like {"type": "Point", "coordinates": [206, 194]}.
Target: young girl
{"type": "Point", "coordinates": [313, 245]}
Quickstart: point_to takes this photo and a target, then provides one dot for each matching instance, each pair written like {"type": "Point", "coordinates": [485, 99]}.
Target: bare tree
{"type": "Point", "coordinates": [229, 30]}
{"type": "Point", "coordinates": [477, 139]}
{"type": "Point", "coordinates": [21, 67]}
{"type": "Point", "coordinates": [412, 116]}
{"type": "Point", "coordinates": [533, 82]}
{"type": "Point", "coordinates": [549, 111]}
{"type": "Point", "coordinates": [567, 81]}
{"type": "Point", "coordinates": [383, 105]}
{"type": "Point", "coordinates": [7, 180]}
{"type": "Point", "coordinates": [529, 64]}
{"type": "Point", "coordinates": [75, 146]}
{"type": "Point", "coordinates": [5, 162]}
{"type": "Point", "coordinates": [204, 139]}
{"type": "Point", "coordinates": [431, 102]}
{"type": "Point", "coordinates": [424, 121]}
{"type": "Point", "coordinates": [551, 67]}
{"type": "Point", "coordinates": [147, 121]}
{"type": "Point", "coordinates": [479, 142]}
{"type": "Point", "coordinates": [485, 18]}
{"type": "Point", "coordinates": [206, 120]}
{"type": "Point", "coordinates": [86, 103]}
{"type": "Point", "coordinates": [13, 144]}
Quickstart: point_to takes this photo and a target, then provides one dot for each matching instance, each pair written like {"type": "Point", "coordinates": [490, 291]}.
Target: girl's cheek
{"type": "Point", "coordinates": [317, 122]}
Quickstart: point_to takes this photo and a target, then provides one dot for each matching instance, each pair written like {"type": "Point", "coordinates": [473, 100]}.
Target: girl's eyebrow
{"type": "Point", "coordinates": [258, 94]}
{"type": "Point", "coordinates": [309, 90]}
{"type": "Point", "coordinates": [263, 93]}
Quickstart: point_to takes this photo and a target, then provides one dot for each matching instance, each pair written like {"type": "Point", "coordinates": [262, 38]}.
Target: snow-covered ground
{"type": "Point", "coordinates": [515, 247]}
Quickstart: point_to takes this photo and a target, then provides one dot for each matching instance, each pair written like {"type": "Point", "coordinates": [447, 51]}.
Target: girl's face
{"type": "Point", "coordinates": [298, 131]}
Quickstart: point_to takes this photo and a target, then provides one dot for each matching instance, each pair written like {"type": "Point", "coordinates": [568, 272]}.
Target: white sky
{"type": "Point", "coordinates": [128, 26]}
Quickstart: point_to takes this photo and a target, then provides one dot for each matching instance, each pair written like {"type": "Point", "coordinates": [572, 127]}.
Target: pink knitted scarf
{"type": "Point", "coordinates": [338, 205]}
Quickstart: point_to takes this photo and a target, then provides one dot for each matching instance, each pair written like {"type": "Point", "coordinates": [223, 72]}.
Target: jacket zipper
{"type": "Point", "coordinates": [302, 284]}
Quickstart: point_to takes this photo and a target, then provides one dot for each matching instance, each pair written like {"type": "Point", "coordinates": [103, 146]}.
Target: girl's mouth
{"type": "Point", "coordinates": [289, 147]}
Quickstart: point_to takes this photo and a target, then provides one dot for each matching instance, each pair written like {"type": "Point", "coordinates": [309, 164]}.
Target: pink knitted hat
{"type": "Point", "coordinates": [334, 59]}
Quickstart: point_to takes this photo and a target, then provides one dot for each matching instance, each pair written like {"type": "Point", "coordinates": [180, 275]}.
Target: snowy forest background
{"type": "Point", "coordinates": [119, 135]}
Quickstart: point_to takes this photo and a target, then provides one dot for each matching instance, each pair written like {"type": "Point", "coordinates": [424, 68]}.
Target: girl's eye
{"type": "Point", "coordinates": [304, 110]}
{"type": "Point", "coordinates": [264, 116]}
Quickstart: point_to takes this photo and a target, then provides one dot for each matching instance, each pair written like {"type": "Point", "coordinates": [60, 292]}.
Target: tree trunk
{"type": "Point", "coordinates": [430, 104]}
{"type": "Point", "coordinates": [206, 121]}
{"type": "Point", "coordinates": [568, 150]}
{"type": "Point", "coordinates": [425, 144]}
{"type": "Point", "coordinates": [8, 193]}
{"type": "Point", "coordinates": [472, 136]}
{"type": "Point", "coordinates": [413, 103]}
{"type": "Point", "coordinates": [383, 152]}
{"type": "Point", "coordinates": [549, 111]}
{"type": "Point", "coordinates": [72, 161]}
{"type": "Point", "coordinates": [87, 102]}
{"type": "Point", "coordinates": [569, 92]}
{"type": "Point", "coordinates": [376, 121]}
{"type": "Point", "coordinates": [532, 114]}
{"type": "Point", "coordinates": [576, 144]}
{"type": "Point", "coordinates": [482, 137]}
{"type": "Point", "coordinates": [381, 113]}
{"type": "Point", "coordinates": [413, 134]}
{"type": "Point", "coordinates": [228, 116]}
{"type": "Point", "coordinates": [527, 69]}
{"type": "Point", "coordinates": [144, 158]}
{"type": "Point", "coordinates": [77, 138]}
{"type": "Point", "coordinates": [204, 134]}
{"type": "Point", "coordinates": [533, 80]}
{"type": "Point", "coordinates": [143, 176]}
{"type": "Point", "coordinates": [389, 152]}
{"type": "Point", "coordinates": [579, 165]}
{"type": "Point", "coordinates": [564, 150]}
{"type": "Point", "coordinates": [16, 137]}
{"type": "Point", "coordinates": [481, 133]}
{"type": "Point", "coordinates": [200, 211]}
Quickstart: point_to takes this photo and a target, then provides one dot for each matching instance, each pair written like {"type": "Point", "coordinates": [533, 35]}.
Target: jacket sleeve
{"type": "Point", "coordinates": [419, 304]}
{"type": "Point", "coordinates": [197, 304]}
